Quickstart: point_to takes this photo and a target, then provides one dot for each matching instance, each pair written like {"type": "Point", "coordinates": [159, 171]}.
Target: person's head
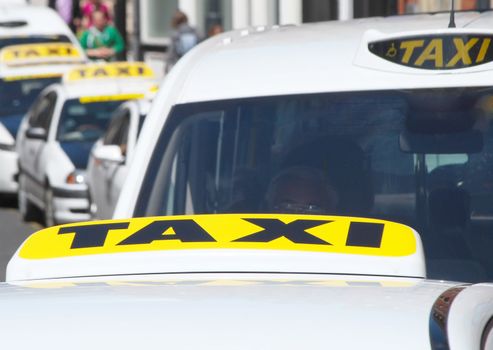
{"type": "Point", "coordinates": [95, 2]}
{"type": "Point", "coordinates": [214, 30]}
{"type": "Point", "coordinates": [99, 19]}
{"type": "Point", "coordinates": [302, 190]}
{"type": "Point", "coordinates": [178, 19]}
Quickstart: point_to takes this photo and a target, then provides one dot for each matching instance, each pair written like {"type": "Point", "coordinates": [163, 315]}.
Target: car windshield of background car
{"type": "Point", "coordinates": [84, 121]}
{"type": "Point", "coordinates": [32, 39]}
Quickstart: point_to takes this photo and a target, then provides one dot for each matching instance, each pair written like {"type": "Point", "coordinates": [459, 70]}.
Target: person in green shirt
{"type": "Point", "coordinates": [102, 40]}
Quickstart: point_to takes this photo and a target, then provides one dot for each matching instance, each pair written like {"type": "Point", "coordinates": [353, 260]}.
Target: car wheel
{"type": "Point", "coordinates": [26, 209]}
{"type": "Point", "coordinates": [49, 210]}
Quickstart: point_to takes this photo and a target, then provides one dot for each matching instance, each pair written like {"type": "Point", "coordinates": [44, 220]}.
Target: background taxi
{"type": "Point", "coordinates": [20, 83]}
{"type": "Point", "coordinates": [24, 24]}
{"type": "Point", "coordinates": [111, 156]}
{"type": "Point", "coordinates": [57, 133]}
{"type": "Point", "coordinates": [25, 70]}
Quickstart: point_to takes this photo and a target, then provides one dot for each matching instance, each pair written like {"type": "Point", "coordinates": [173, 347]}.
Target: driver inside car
{"type": "Point", "coordinates": [301, 190]}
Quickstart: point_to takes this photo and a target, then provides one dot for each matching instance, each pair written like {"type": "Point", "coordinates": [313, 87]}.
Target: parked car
{"type": "Point", "coordinates": [34, 42]}
{"type": "Point", "coordinates": [58, 132]}
{"type": "Point", "coordinates": [111, 155]}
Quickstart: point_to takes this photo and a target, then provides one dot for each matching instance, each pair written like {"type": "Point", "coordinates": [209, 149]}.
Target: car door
{"type": "Point", "coordinates": [40, 118]}
{"type": "Point", "coordinates": [107, 175]}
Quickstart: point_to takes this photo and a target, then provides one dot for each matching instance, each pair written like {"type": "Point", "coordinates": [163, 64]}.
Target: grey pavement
{"type": "Point", "coordinates": [13, 231]}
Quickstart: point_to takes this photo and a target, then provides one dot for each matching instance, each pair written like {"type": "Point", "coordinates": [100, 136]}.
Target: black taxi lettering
{"type": "Point", "coordinates": [360, 234]}
{"type": "Point", "coordinates": [80, 72]}
{"type": "Point", "coordinates": [436, 52]}
{"type": "Point", "coordinates": [365, 234]}
{"type": "Point", "coordinates": [294, 231]}
{"type": "Point", "coordinates": [26, 53]}
{"type": "Point", "coordinates": [183, 230]}
{"type": "Point", "coordinates": [100, 72]}
{"type": "Point", "coordinates": [91, 236]}
{"type": "Point", "coordinates": [56, 51]}
{"type": "Point", "coordinates": [123, 71]}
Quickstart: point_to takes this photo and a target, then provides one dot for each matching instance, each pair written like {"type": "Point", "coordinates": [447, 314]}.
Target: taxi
{"type": "Point", "coordinates": [389, 118]}
{"type": "Point", "coordinates": [236, 281]}
{"type": "Point", "coordinates": [25, 70]}
{"type": "Point", "coordinates": [27, 24]}
{"type": "Point", "coordinates": [57, 133]}
{"type": "Point", "coordinates": [23, 24]}
{"type": "Point", "coordinates": [111, 156]}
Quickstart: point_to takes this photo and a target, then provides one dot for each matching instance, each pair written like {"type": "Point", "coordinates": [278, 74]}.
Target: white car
{"type": "Point", "coordinates": [20, 79]}
{"type": "Point", "coordinates": [244, 281]}
{"type": "Point", "coordinates": [111, 155]}
{"type": "Point", "coordinates": [389, 118]}
{"type": "Point", "coordinates": [24, 24]}
{"type": "Point", "coordinates": [25, 70]}
{"type": "Point", "coordinates": [57, 133]}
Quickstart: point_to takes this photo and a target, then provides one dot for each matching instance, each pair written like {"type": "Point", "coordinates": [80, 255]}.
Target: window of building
{"type": "Point", "coordinates": [214, 13]}
{"type": "Point", "coordinates": [317, 11]}
{"type": "Point", "coordinates": [155, 19]}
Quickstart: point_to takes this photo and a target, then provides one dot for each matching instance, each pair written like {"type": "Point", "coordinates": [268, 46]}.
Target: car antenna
{"type": "Point", "coordinates": [451, 24]}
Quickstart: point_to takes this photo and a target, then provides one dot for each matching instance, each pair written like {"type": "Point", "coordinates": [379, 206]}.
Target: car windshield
{"type": "Point", "coordinates": [81, 121]}
{"type": "Point", "coordinates": [16, 96]}
{"type": "Point", "coordinates": [420, 157]}
{"type": "Point", "coordinates": [32, 39]}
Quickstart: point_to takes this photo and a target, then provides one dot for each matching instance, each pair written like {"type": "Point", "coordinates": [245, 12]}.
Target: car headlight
{"type": "Point", "coordinates": [76, 177]}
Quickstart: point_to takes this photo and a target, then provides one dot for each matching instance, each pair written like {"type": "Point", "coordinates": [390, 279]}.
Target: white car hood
{"type": "Point", "coordinates": [219, 312]}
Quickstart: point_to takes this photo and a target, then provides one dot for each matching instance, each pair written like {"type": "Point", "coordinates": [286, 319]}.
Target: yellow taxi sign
{"type": "Point", "coordinates": [108, 98]}
{"type": "Point", "coordinates": [118, 70]}
{"type": "Point", "coordinates": [40, 53]}
{"type": "Point", "coordinates": [305, 233]}
{"type": "Point", "coordinates": [436, 52]}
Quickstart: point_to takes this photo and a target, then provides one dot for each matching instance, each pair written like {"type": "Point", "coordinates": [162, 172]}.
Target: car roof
{"type": "Point", "coordinates": [244, 312]}
{"type": "Point", "coordinates": [135, 90]}
{"type": "Point", "coordinates": [39, 20]}
{"type": "Point", "coordinates": [327, 56]}
{"type": "Point", "coordinates": [35, 71]}
{"type": "Point", "coordinates": [135, 79]}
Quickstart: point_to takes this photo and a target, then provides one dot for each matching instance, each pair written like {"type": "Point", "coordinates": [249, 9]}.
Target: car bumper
{"type": "Point", "coordinates": [8, 172]}
{"type": "Point", "coordinates": [70, 205]}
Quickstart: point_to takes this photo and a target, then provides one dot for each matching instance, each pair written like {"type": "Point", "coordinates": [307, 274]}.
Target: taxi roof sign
{"type": "Point", "coordinates": [40, 53]}
{"type": "Point", "coordinates": [115, 70]}
{"type": "Point", "coordinates": [204, 243]}
{"type": "Point", "coordinates": [443, 51]}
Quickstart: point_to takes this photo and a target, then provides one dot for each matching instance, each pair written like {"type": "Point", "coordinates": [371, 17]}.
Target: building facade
{"type": "Point", "coordinates": [153, 21]}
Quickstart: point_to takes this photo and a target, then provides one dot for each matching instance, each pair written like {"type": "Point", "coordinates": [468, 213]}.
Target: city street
{"type": "Point", "coordinates": [13, 232]}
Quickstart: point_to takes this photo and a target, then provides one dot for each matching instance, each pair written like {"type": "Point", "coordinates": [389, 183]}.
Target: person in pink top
{"type": "Point", "coordinates": [90, 7]}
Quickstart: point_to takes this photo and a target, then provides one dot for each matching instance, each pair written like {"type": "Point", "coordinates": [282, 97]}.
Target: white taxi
{"type": "Point", "coordinates": [111, 156]}
{"type": "Point", "coordinates": [25, 70]}
{"type": "Point", "coordinates": [22, 24]}
{"type": "Point", "coordinates": [237, 281]}
{"type": "Point", "coordinates": [389, 118]}
{"type": "Point", "coordinates": [25, 24]}
{"type": "Point", "coordinates": [57, 133]}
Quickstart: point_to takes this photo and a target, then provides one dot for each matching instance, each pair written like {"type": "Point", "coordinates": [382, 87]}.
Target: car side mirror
{"type": "Point", "coordinates": [109, 153]}
{"type": "Point", "coordinates": [36, 133]}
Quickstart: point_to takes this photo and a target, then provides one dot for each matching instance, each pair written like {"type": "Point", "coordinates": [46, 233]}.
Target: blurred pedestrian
{"type": "Point", "coordinates": [88, 10]}
{"type": "Point", "coordinates": [70, 12]}
{"type": "Point", "coordinates": [102, 40]}
{"type": "Point", "coordinates": [183, 38]}
{"type": "Point", "coordinates": [215, 30]}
